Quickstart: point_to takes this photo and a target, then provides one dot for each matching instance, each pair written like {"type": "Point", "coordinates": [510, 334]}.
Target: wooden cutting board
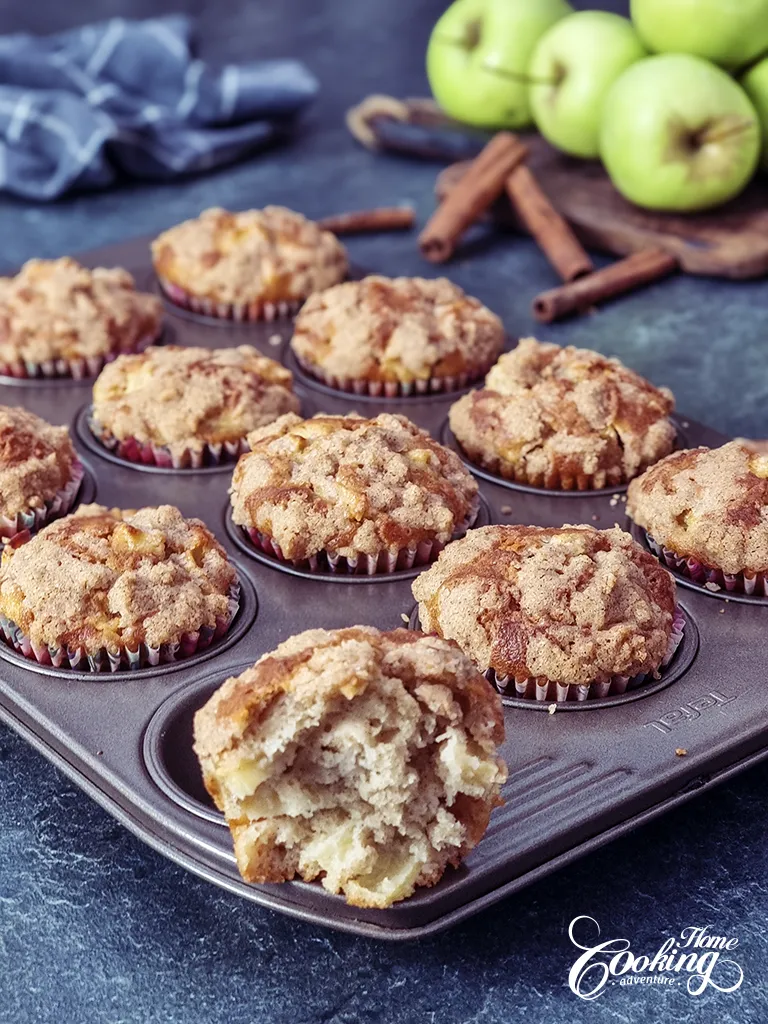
{"type": "Point", "coordinates": [731, 241]}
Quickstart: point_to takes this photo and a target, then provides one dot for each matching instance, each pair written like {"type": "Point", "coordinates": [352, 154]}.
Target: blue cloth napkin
{"type": "Point", "coordinates": [81, 107]}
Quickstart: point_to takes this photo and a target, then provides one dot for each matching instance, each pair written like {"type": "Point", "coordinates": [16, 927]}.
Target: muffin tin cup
{"type": "Point", "coordinates": [121, 658]}
{"type": "Point", "coordinates": [390, 388]}
{"type": "Point", "coordinates": [241, 312]}
{"type": "Point", "coordinates": [545, 690]}
{"type": "Point", "coordinates": [147, 453]}
{"type": "Point", "coordinates": [707, 576]}
{"type": "Point", "coordinates": [73, 369]}
{"type": "Point", "coordinates": [31, 520]}
{"type": "Point", "coordinates": [361, 563]}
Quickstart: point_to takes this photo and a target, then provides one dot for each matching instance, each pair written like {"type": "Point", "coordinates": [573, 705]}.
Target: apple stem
{"type": "Point", "coordinates": [717, 135]}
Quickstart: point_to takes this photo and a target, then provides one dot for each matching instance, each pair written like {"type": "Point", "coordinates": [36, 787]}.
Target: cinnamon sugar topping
{"type": "Point", "coordinates": [36, 460]}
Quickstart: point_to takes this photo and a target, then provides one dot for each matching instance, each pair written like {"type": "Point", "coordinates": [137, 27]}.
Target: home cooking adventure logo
{"type": "Point", "coordinates": [696, 959]}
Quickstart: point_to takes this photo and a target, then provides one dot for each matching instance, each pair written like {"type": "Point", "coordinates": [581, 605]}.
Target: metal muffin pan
{"type": "Point", "coordinates": [575, 780]}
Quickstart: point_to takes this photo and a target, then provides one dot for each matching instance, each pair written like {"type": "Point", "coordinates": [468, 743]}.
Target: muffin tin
{"type": "Point", "coordinates": [576, 780]}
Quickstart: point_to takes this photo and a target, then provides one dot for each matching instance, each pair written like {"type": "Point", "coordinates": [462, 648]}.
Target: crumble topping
{"type": "Point", "coordinates": [36, 460]}
{"type": "Point", "coordinates": [348, 484]}
{"type": "Point", "coordinates": [710, 504]}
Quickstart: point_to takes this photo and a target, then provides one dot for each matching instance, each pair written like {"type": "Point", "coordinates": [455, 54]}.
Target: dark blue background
{"type": "Point", "coordinates": [94, 927]}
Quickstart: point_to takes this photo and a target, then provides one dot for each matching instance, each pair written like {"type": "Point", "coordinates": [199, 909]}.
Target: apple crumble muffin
{"type": "Point", "coordinates": [396, 334]}
{"type": "Point", "coordinates": [60, 319]}
{"type": "Point", "coordinates": [564, 418]}
{"type": "Point", "coordinates": [257, 263]}
{"type": "Point", "coordinates": [190, 399]}
{"type": "Point", "coordinates": [374, 492]}
{"type": "Point", "coordinates": [549, 607]}
{"type": "Point", "coordinates": [365, 759]}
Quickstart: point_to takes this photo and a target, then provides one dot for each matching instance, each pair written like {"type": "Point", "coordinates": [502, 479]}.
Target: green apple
{"type": "Point", "coordinates": [573, 66]}
{"type": "Point", "coordinates": [727, 32]}
{"type": "Point", "coordinates": [677, 133]}
{"type": "Point", "coordinates": [755, 84]}
{"type": "Point", "coordinates": [477, 58]}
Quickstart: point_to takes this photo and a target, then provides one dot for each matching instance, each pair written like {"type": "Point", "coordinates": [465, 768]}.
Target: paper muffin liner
{"type": "Point", "coordinates": [362, 564]}
{"type": "Point", "coordinates": [707, 576]}
{"type": "Point", "coordinates": [75, 369]}
{"type": "Point", "coordinates": [392, 388]}
{"type": "Point", "coordinates": [541, 689]}
{"type": "Point", "coordinates": [147, 453]}
{"type": "Point", "coordinates": [121, 658]}
{"type": "Point", "coordinates": [257, 309]}
{"type": "Point", "coordinates": [552, 481]}
{"type": "Point", "coordinates": [30, 520]}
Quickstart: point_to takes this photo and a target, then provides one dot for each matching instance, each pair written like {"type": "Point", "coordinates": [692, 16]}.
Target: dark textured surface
{"type": "Point", "coordinates": [96, 928]}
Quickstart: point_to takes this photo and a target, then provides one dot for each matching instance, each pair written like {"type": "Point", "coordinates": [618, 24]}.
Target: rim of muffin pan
{"type": "Point", "coordinates": [167, 750]}
{"type": "Point", "coordinates": [448, 439]}
{"type": "Point", "coordinates": [681, 661]}
{"type": "Point", "coordinates": [239, 537]}
{"type": "Point", "coordinates": [242, 622]}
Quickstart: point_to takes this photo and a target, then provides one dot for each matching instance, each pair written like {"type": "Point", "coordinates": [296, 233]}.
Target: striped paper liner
{"type": "Point", "coordinates": [147, 453]}
{"type": "Point", "coordinates": [541, 689]}
{"type": "Point", "coordinates": [391, 388]}
{"type": "Point", "coordinates": [708, 577]}
{"type": "Point", "coordinates": [242, 312]}
{"type": "Point", "coordinates": [381, 563]}
{"type": "Point", "coordinates": [74, 369]}
{"type": "Point", "coordinates": [121, 658]}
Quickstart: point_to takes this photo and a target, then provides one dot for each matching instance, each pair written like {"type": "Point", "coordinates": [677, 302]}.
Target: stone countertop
{"type": "Point", "coordinates": [95, 927]}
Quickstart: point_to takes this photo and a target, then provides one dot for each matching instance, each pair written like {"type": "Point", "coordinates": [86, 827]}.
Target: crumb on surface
{"type": "Point", "coordinates": [552, 709]}
{"type": "Point", "coordinates": [681, 751]}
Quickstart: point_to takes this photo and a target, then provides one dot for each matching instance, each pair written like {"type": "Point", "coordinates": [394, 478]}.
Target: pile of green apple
{"type": "Point", "coordinates": [673, 101]}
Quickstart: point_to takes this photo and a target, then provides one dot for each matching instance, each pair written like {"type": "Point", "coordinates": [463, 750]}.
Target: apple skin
{"type": "Point", "coordinates": [678, 133]}
{"type": "Point", "coordinates": [573, 66]}
{"type": "Point", "coordinates": [485, 84]}
{"type": "Point", "coordinates": [755, 84]}
{"type": "Point", "coordinates": [728, 32]}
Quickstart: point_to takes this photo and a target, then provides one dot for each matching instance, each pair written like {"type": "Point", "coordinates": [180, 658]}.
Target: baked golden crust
{"type": "Point", "coordinates": [564, 418]}
{"type": "Point", "coordinates": [269, 255]}
{"type": "Point", "coordinates": [185, 398]}
{"type": "Point", "coordinates": [36, 460]}
{"type": "Point", "coordinates": [396, 329]}
{"type": "Point", "coordinates": [349, 485]}
{"type": "Point", "coordinates": [367, 759]}
{"type": "Point", "coordinates": [103, 578]}
{"type": "Point", "coordinates": [572, 605]}
{"type": "Point", "coordinates": [710, 505]}
{"type": "Point", "coordinates": [56, 309]}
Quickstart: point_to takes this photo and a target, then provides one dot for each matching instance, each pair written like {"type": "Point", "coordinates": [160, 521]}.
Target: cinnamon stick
{"type": "Point", "coordinates": [473, 194]}
{"type": "Point", "coordinates": [383, 218]}
{"type": "Point", "coordinates": [553, 234]}
{"type": "Point", "coordinates": [623, 276]}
